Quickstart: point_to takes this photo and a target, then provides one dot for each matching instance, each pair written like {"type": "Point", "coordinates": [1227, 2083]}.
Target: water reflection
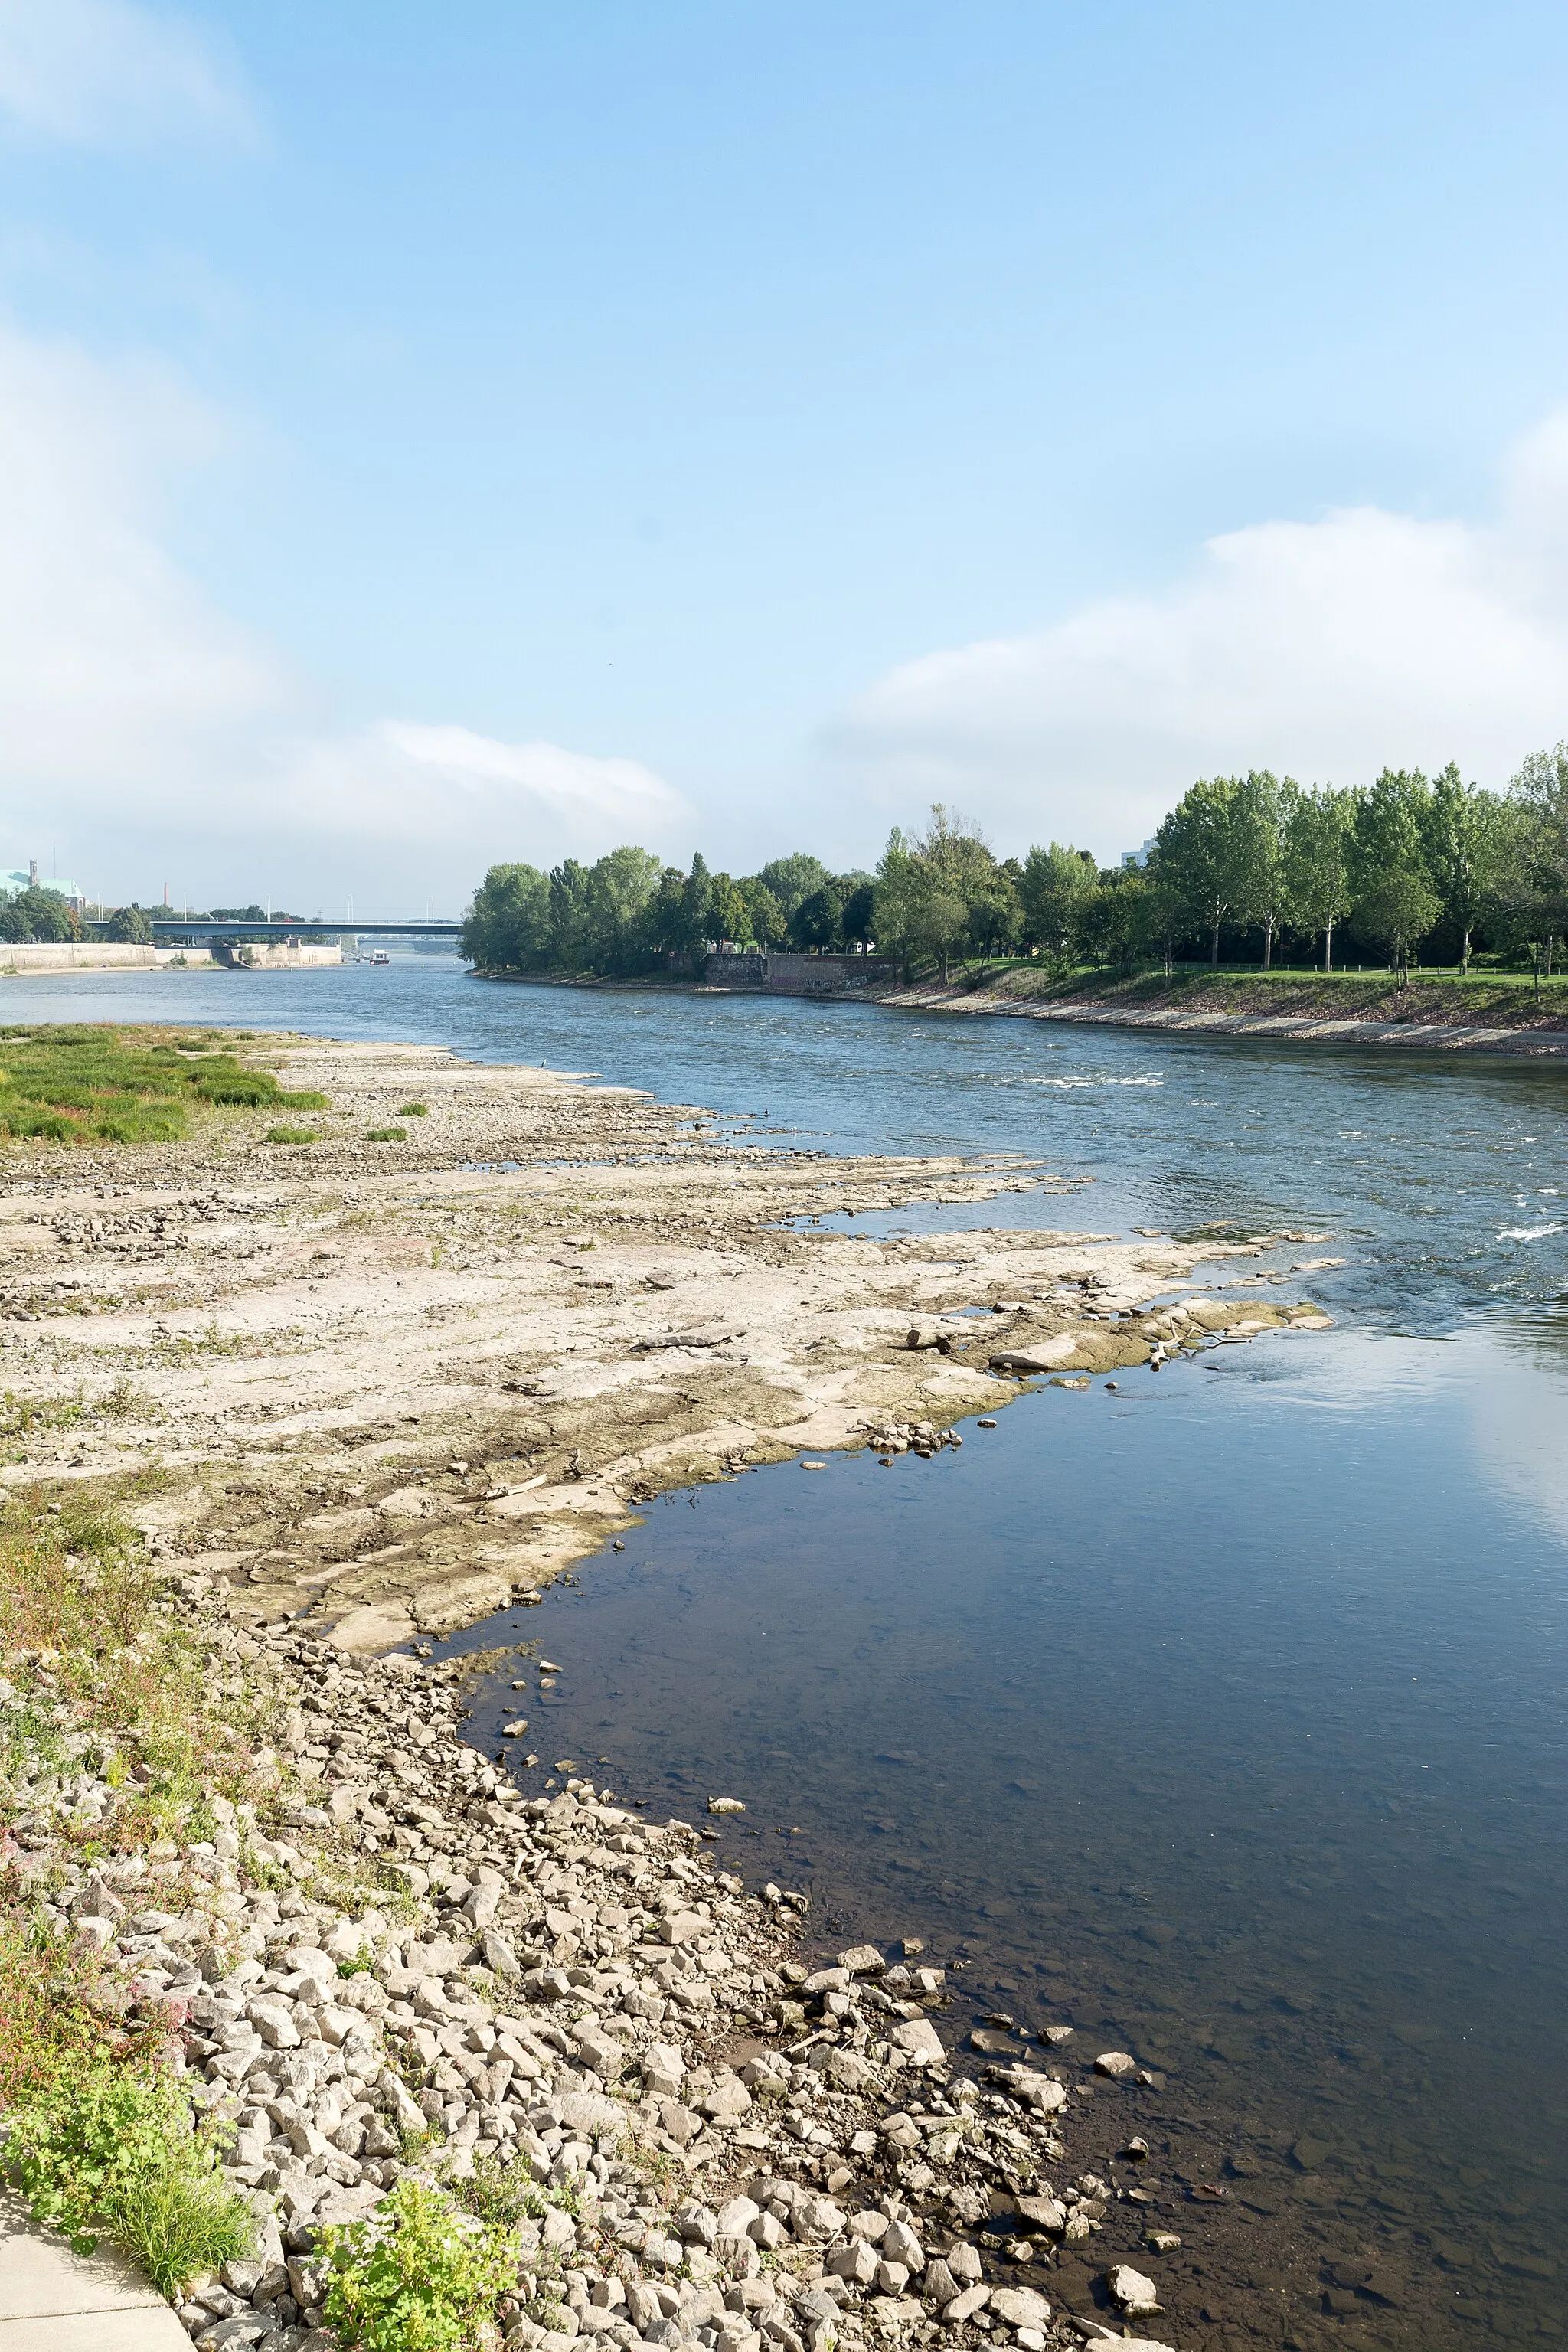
{"type": "Point", "coordinates": [1221, 1716]}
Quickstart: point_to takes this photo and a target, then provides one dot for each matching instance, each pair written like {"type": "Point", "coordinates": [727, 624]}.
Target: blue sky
{"type": "Point", "coordinates": [439, 436]}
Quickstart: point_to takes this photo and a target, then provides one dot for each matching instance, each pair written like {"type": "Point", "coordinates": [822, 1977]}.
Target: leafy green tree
{"type": "Point", "coordinates": [790, 879]}
{"type": "Point", "coordinates": [817, 923]}
{"type": "Point", "coordinates": [859, 919]}
{"type": "Point", "coordinates": [1317, 861]}
{"type": "Point", "coordinates": [664, 918]}
{"type": "Point", "coordinates": [996, 910]}
{"type": "Point", "coordinates": [1258, 829]}
{"type": "Point", "coordinates": [48, 914]}
{"type": "Point", "coordinates": [767, 922]}
{"type": "Point", "coordinates": [1056, 889]}
{"type": "Point", "coordinates": [1200, 852]}
{"type": "Point", "coordinates": [1464, 841]}
{"type": "Point", "coordinates": [1390, 890]}
{"type": "Point", "coordinates": [728, 912]}
{"type": "Point", "coordinates": [507, 927]}
{"type": "Point", "coordinates": [1535, 865]}
{"type": "Point", "coordinates": [130, 925]}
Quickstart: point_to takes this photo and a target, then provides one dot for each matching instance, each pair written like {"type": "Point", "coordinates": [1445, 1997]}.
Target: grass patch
{"type": "Point", "coordinates": [415, 1110]}
{"type": "Point", "coordinates": [419, 2275]}
{"type": "Point", "coordinates": [101, 1667]}
{"type": "Point", "coordinates": [386, 1135]}
{"type": "Point", "coordinates": [293, 1135]}
{"type": "Point", "coordinates": [86, 1085]}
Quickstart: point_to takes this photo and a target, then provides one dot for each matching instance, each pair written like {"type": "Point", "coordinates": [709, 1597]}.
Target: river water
{"type": "Point", "coordinates": [1220, 1717]}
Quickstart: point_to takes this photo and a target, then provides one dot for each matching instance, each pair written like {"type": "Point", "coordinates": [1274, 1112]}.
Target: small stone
{"type": "Point", "coordinates": [1131, 2289]}
{"type": "Point", "coordinates": [921, 2041]}
{"type": "Point", "coordinates": [862, 1960]}
{"type": "Point", "coordinates": [1116, 2063]}
{"type": "Point", "coordinates": [725, 1805]}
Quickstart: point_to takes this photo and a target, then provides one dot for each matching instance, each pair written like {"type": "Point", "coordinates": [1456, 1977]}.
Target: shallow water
{"type": "Point", "coordinates": [1220, 1716]}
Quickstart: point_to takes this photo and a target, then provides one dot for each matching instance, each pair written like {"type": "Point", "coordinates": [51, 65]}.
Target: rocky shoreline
{"type": "Point", "coordinates": [412, 1970]}
{"type": "Point", "coordinates": [386, 1960]}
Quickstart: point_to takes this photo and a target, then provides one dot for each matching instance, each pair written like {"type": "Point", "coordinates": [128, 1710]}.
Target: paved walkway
{"type": "Point", "coordinates": [54, 2301]}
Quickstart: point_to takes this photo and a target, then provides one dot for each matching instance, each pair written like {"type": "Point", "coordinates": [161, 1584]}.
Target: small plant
{"type": "Point", "coordinates": [386, 1135]}
{"type": "Point", "coordinates": [293, 1135]}
{"type": "Point", "coordinates": [417, 2275]}
{"type": "Point", "coordinates": [99, 2143]}
{"type": "Point", "coordinates": [503, 2194]}
{"type": "Point", "coordinates": [415, 1110]}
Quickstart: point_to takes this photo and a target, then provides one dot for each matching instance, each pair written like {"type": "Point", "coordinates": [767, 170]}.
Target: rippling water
{"type": "Point", "coordinates": [1221, 1715]}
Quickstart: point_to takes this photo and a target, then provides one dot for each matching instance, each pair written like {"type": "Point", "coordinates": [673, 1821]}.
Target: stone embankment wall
{"type": "Point", "coordinates": [801, 975]}
{"type": "Point", "coordinates": [98, 955]}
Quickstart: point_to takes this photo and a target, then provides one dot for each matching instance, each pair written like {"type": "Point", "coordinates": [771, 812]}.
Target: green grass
{"type": "Point", "coordinates": [293, 1135]}
{"type": "Point", "coordinates": [68, 1085]}
{"type": "Point", "coordinates": [386, 1135]}
{"type": "Point", "coordinates": [415, 1110]}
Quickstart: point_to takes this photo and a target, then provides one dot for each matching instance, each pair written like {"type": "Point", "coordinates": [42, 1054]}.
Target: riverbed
{"type": "Point", "coordinates": [1220, 1715]}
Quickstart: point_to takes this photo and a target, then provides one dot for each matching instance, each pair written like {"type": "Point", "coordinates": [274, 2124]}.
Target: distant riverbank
{"type": "Point", "coordinates": [1490, 1014]}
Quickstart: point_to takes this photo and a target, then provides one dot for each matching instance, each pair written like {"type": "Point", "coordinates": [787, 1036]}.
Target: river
{"type": "Point", "coordinates": [1219, 1715]}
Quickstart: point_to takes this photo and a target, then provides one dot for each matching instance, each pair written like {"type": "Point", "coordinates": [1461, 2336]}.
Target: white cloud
{"type": "Point", "coordinates": [149, 736]}
{"type": "Point", "coordinates": [1323, 650]}
{"type": "Point", "coordinates": [107, 73]}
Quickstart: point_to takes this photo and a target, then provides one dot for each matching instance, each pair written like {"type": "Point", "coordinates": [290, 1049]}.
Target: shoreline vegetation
{"type": "Point", "coordinates": [354, 2035]}
{"type": "Point", "coordinates": [1405, 870]}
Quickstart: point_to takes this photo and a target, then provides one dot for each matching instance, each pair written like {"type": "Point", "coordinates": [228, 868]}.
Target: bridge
{"type": "Point", "coordinates": [200, 930]}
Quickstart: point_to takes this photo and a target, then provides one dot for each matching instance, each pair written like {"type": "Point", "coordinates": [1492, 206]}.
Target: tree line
{"type": "Point", "coordinates": [1257, 863]}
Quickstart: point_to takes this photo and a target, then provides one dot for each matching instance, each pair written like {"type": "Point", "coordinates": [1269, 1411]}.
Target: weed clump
{"type": "Point", "coordinates": [415, 1110]}
{"type": "Point", "coordinates": [419, 2275]}
{"type": "Point", "coordinates": [386, 1135]}
{"type": "Point", "coordinates": [115, 2146]}
{"type": "Point", "coordinates": [293, 1135]}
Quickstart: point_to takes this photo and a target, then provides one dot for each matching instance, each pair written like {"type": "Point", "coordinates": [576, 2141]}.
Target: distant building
{"type": "Point", "coordinates": [28, 878]}
{"type": "Point", "coordinates": [1139, 856]}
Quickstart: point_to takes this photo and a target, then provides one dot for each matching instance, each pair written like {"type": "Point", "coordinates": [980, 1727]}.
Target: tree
{"type": "Point", "coordinates": [1317, 861]}
{"type": "Point", "coordinates": [1537, 862]}
{"type": "Point", "coordinates": [1463, 841]}
{"type": "Point", "coordinates": [816, 922]}
{"type": "Point", "coordinates": [792, 878]}
{"type": "Point", "coordinates": [1257, 826]}
{"type": "Point", "coordinates": [130, 925]}
{"type": "Point", "coordinates": [996, 911]}
{"type": "Point", "coordinates": [507, 927]}
{"type": "Point", "coordinates": [1200, 850]}
{"type": "Point", "coordinates": [48, 914]}
{"type": "Point", "coordinates": [766, 920]}
{"type": "Point", "coordinates": [859, 924]}
{"type": "Point", "coordinates": [1391, 889]}
{"type": "Point", "coordinates": [1055, 889]}
{"type": "Point", "coordinates": [729, 913]}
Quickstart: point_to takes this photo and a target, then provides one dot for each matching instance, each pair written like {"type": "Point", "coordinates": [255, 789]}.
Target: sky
{"type": "Point", "coordinates": [436, 437]}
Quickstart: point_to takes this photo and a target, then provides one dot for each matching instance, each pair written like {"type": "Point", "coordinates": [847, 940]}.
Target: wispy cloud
{"type": "Point", "coordinates": [1326, 649]}
{"type": "Point", "coordinates": [109, 73]}
{"type": "Point", "coordinates": [150, 734]}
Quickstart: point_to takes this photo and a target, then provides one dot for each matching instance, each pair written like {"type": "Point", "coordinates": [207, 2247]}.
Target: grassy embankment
{"type": "Point", "coordinates": [1484, 999]}
{"type": "Point", "coordinates": [95, 1085]}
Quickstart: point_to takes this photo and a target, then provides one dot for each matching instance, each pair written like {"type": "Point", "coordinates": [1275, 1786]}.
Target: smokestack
{"type": "Point", "coordinates": [166, 893]}
{"type": "Point", "coordinates": [32, 873]}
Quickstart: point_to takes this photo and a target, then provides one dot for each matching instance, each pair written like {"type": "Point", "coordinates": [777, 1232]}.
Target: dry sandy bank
{"type": "Point", "coordinates": [399, 1383]}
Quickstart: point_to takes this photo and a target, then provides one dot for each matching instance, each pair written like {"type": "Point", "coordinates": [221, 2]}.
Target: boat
{"type": "Point", "coordinates": [380, 956]}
